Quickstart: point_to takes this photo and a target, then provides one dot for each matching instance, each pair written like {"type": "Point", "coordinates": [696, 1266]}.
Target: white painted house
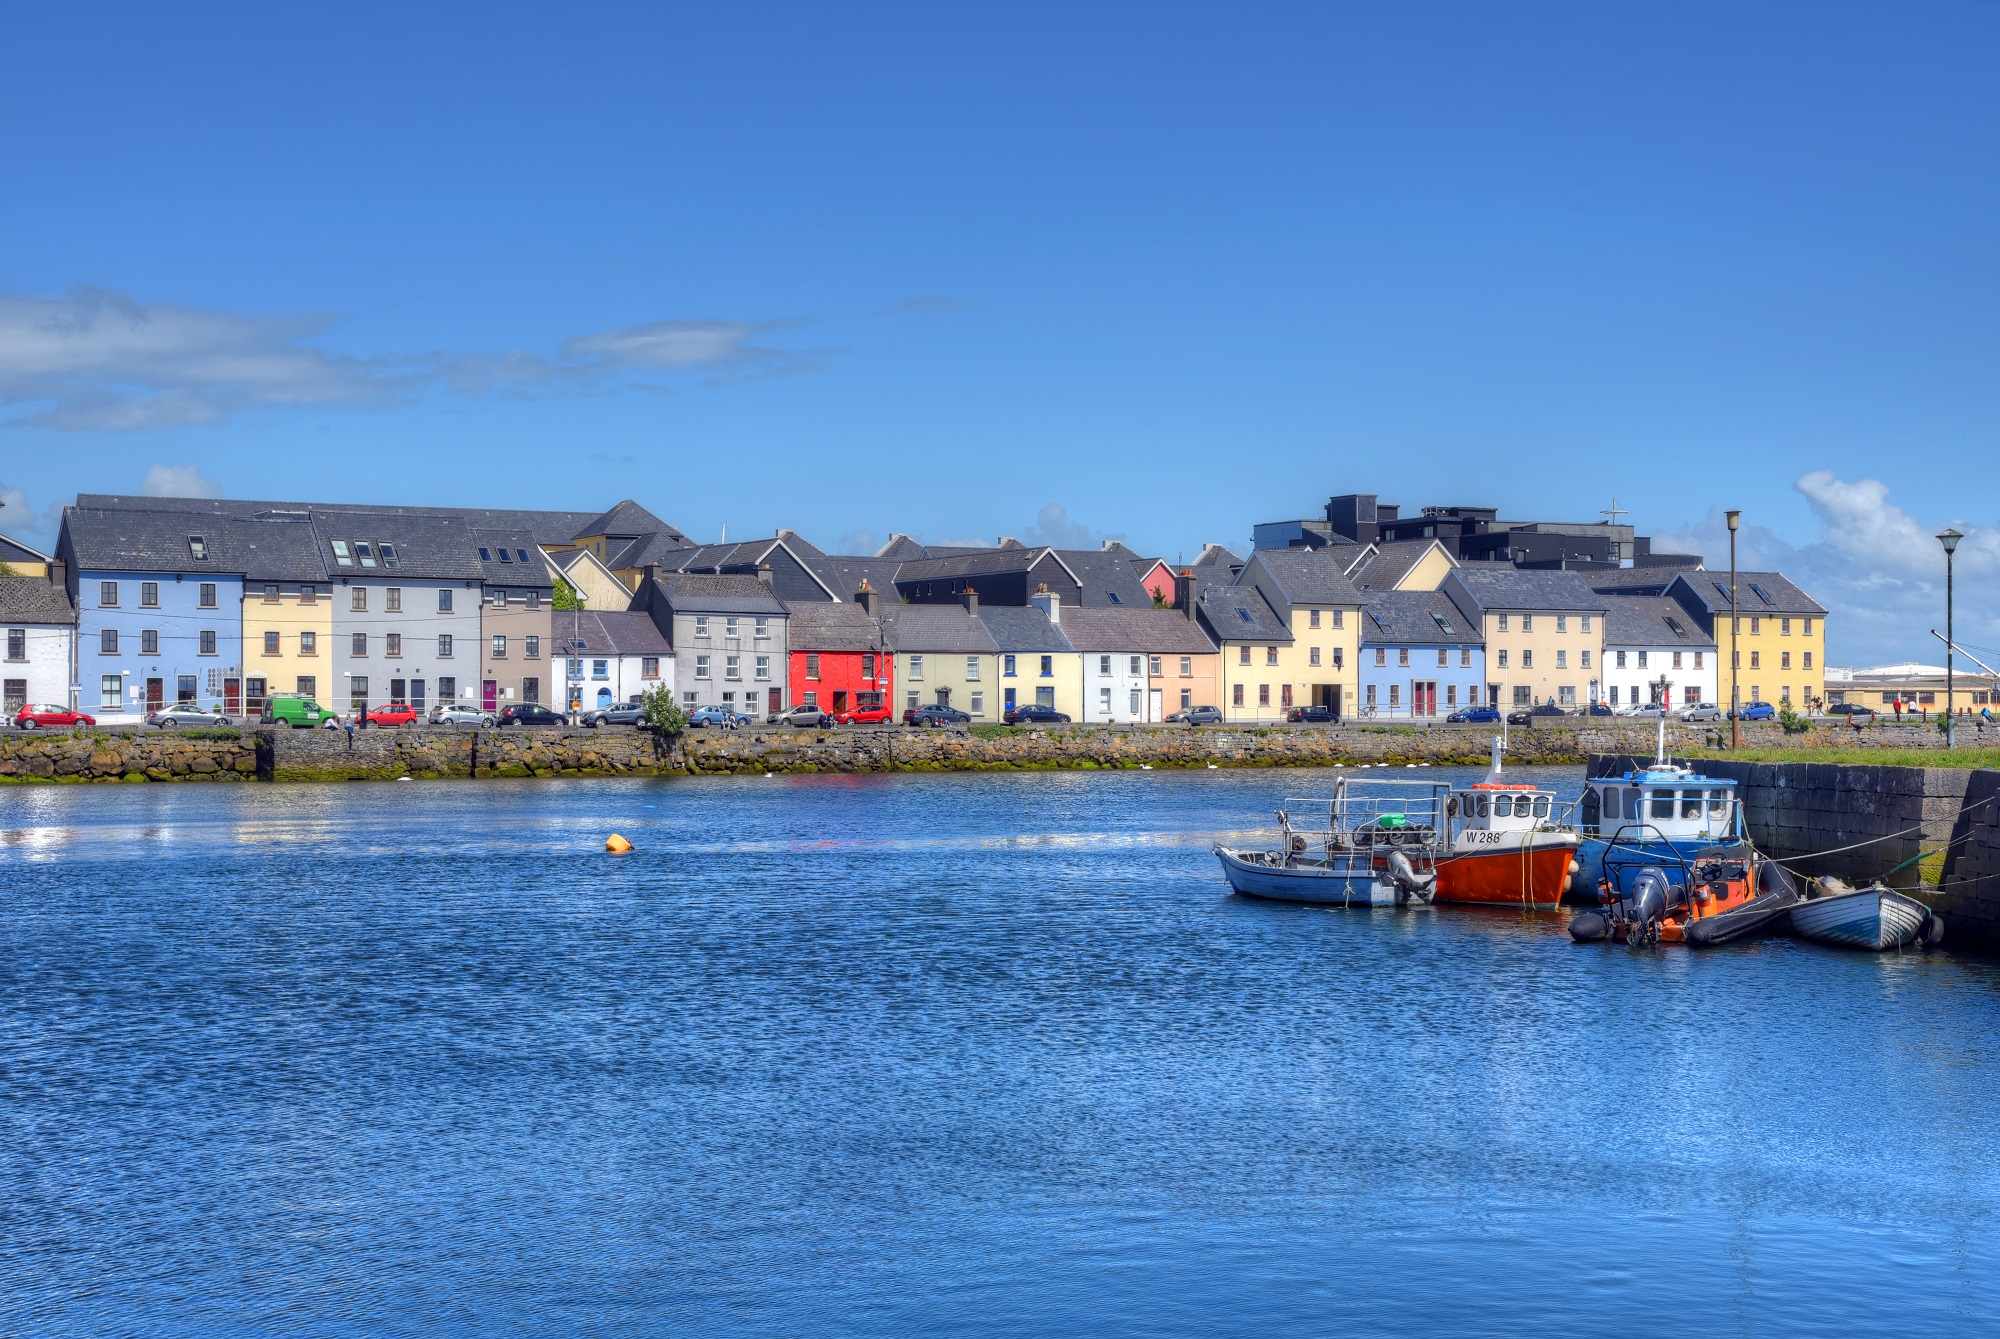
{"type": "Point", "coordinates": [38, 654]}
{"type": "Point", "coordinates": [612, 657]}
{"type": "Point", "coordinates": [1647, 637]}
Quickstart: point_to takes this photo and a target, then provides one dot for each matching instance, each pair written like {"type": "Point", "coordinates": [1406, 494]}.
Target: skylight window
{"type": "Point", "coordinates": [365, 554]}
{"type": "Point", "coordinates": [485, 555]}
{"type": "Point", "coordinates": [198, 548]}
{"type": "Point", "coordinates": [1244, 614]}
{"type": "Point", "coordinates": [1114, 597]}
{"type": "Point", "coordinates": [522, 554]}
{"type": "Point", "coordinates": [342, 554]}
{"type": "Point", "coordinates": [1720, 591]}
{"type": "Point", "coordinates": [1443, 626]}
{"type": "Point", "coordinates": [388, 552]}
{"type": "Point", "coordinates": [505, 557]}
{"type": "Point", "coordinates": [1675, 624]}
{"type": "Point", "coordinates": [1763, 595]}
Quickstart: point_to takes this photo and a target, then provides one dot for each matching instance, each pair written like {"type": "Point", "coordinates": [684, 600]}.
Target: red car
{"type": "Point", "coordinates": [866, 716]}
{"type": "Point", "coordinates": [32, 717]}
{"type": "Point", "coordinates": [396, 713]}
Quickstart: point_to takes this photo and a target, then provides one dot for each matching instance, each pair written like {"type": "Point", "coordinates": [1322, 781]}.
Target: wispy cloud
{"type": "Point", "coordinates": [929, 306]}
{"type": "Point", "coordinates": [1054, 528]}
{"type": "Point", "coordinates": [1876, 568]}
{"type": "Point", "coordinates": [96, 359]}
{"type": "Point", "coordinates": [179, 481]}
{"type": "Point", "coordinates": [19, 518]}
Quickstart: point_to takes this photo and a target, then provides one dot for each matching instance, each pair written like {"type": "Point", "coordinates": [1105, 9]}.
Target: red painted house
{"type": "Point", "coordinates": [1158, 579]}
{"type": "Point", "coordinates": [838, 662]}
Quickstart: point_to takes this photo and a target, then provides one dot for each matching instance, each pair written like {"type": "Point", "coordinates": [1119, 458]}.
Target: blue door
{"type": "Point", "coordinates": [603, 698]}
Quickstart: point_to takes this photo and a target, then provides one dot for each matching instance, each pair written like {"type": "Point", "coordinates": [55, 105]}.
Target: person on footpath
{"type": "Point", "coordinates": [350, 733]}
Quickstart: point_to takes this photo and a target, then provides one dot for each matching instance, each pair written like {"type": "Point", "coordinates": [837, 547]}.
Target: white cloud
{"type": "Point", "coordinates": [18, 518]}
{"type": "Point", "coordinates": [1054, 528]}
{"type": "Point", "coordinates": [1878, 571]}
{"type": "Point", "coordinates": [179, 481]}
{"type": "Point", "coordinates": [95, 359]}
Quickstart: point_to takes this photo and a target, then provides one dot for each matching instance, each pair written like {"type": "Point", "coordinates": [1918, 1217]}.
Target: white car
{"type": "Point", "coordinates": [1646, 709]}
{"type": "Point", "coordinates": [461, 713]}
{"type": "Point", "coordinates": [1706, 711]}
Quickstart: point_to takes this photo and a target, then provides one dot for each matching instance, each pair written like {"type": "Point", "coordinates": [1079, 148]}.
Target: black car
{"type": "Point", "coordinates": [1314, 715]}
{"type": "Point", "coordinates": [616, 713]}
{"type": "Point", "coordinates": [1034, 713]}
{"type": "Point", "coordinates": [935, 717]}
{"type": "Point", "coordinates": [530, 713]}
{"type": "Point", "coordinates": [1198, 716]}
{"type": "Point", "coordinates": [1854, 709]}
{"type": "Point", "coordinates": [1527, 717]}
{"type": "Point", "coordinates": [1598, 709]}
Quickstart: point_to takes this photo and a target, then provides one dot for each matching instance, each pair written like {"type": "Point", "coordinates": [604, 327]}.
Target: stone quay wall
{"type": "Point", "coordinates": [83, 756]}
{"type": "Point", "coordinates": [1861, 822]}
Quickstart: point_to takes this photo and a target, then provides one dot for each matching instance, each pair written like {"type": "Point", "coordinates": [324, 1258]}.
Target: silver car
{"type": "Point", "coordinates": [460, 713]}
{"type": "Point", "coordinates": [803, 717]}
{"type": "Point", "coordinates": [618, 713]}
{"type": "Point", "coordinates": [185, 713]}
{"type": "Point", "coordinates": [1707, 711]}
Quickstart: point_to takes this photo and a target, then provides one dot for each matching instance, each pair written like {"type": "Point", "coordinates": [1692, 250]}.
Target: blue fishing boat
{"type": "Point", "coordinates": [1660, 816]}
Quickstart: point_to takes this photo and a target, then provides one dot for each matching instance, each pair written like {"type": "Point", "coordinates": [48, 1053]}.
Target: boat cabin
{"type": "Point", "coordinates": [1672, 803]}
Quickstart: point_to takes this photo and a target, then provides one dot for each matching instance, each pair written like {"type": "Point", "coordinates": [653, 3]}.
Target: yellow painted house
{"type": "Point", "coordinates": [1403, 564]}
{"type": "Point", "coordinates": [1544, 633]}
{"type": "Point", "coordinates": [1780, 650]}
{"type": "Point", "coordinates": [1289, 628]}
{"type": "Point", "coordinates": [981, 661]}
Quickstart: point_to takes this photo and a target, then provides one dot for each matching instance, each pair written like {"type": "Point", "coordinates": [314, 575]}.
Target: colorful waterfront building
{"type": "Point", "coordinates": [1140, 665]}
{"type": "Point", "coordinates": [1543, 632]}
{"type": "Point", "coordinates": [1421, 655]}
{"type": "Point", "coordinates": [1299, 647]}
{"type": "Point", "coordinates": [840, 661]}
{"type": "Point", "coordinates": [38, 623]}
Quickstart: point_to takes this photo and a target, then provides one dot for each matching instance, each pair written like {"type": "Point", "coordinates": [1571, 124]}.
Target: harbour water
{"type": "Point", "coordinates": [979, 1054]}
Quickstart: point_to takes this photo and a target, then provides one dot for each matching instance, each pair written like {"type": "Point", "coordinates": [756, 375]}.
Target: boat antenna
{"type": "Point", "coordinates": [1494, 775]}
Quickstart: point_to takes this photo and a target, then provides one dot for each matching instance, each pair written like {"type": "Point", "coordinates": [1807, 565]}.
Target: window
{"type": "Point", "coordinates": [1586, 660]}
{"type": "Point", "coordinates": [916, 667]}
{"type": "Point", "coordinates": [1152, 666]}
{"type": "Point", "coordinates": [1451, 695]}
{"type": "Point", "coordinates": [1697, 659]}
{"type": "Point", "coordinates": [506, 557]}
{"type": "Point", "coordinates": [1237, 700]}
{"type": "Point", "coordinates": [729, 627]}
{"type": "Point", "coordinates": [701, 625]}
{"type": "Point", "coordinates": [206, 594]}
{"type": "Point", "coordinates": [1187, 698]}
{"type": "Point", "coordinates": [531, 689]}
{"type": "Point", "coordinates": [1242, 655]}
{"type": "Point", "coordinates": [1784, 627]}
{"type": "Point", "coordinates": [1382, 655]}
{"type": "Point", "coordinates": [1444, 658]}
{"type": "Point", "coordinates": [1677, 660]}
{"type": "Point", "coordinates": [270, 593]}
{"type": "Point", "coordinates": [914, 700]}
{"type": "Point", "coordinates": [149, 595]}
{"type": "Point", "coordinates": [1104, 701]}
{"type": "Point", "coordinates": [1270, 655]}
{"type": "Point", "coordinates": [444, 602]}
{"type": "Point", "coordinates": [444, 646]}
{"type": "Point", "coordinates": [1402, 655]}
{"type": "Point", "coordinates": [308, 594]}
{"type": "Point", "coordinates": [533, 599]}
{"type": "Point", "coordinates": [1642, 660]}
{"type": "Point", "coordinates": [360, 647]}
{"type": "Point", "coordinates": [1312, 618]}
{"type": "Point", "coordinates": [198, 548]}
{"type": "Point", "coordinates": [575, 664]}
{"type": "Point", "coordinates": [763, 667]}
{"type": "Point", "coordinates": [1524, 696]}
{"type": "Point", "coordinates": [357, 692]}
{"type": "Point", "coordinates": [1562, 659]}
{"type": "Point", "coordinates": [394, 598]}
{"type": "Point", "coordinates": [812, 665]}
{"type": "Point", "coordinates": [342, 554]}
{"type": "Point", "coordinates": [392, 644]}
{"type": "Point", "coordinates": [972, 669]}
{"type": "Point", "coordinates": [1527, 659]}
{"type": "Point", "coordinates": [1337, 619]}
{"type": "Point", "coordinates": [1103, 666]}
{"type": "Point", "coordinates": [388, 552]}
{"type": "Point", "coordinates": [868, 666]}
{"type": "Point", "coordinates": [364, 555]}
{"type": "Point", "coordinates": [1263, 694]}
{"type": "Point", "coordinates": [1187, 667]}
{"type": "Point", "coordinates": [1586, 622]}
{"type": "Point", "coordinates": [1805, 627]}
{"type": "Point", "coordinates": [1756, 627]}
{"type": "Point", "coordinates": [1337, 657]}
{"type": "Point", "coordinates": [111, 691]}
{"type": "Point", "coordinates": [763, 627]}
{"type": "Point", "coordinates": [187, 688]}
{"type": "Point", "coordinates": [1285, 695]}
{"type": "Point", "coordinates": [600, 669]}
{"type": "Point", "coordinates": [1621, 660]}
{"type": "Point", "coordinates": [1503, 660]}
{"type": "Point", "coordinates": [1371, 694]}
{"type": "Point", "coordinates": [1807, 662]}
{"type": "Point", "coordinates": [270, 643]}
{"type": "Point", "coordinates": [499, 646]}
{"type": "Point", "coordinates": [357, 599]}
{"type": "Point", "coordinates": [649, 667]}
{"type": "Point", "coordinates": [149, 642]}
{"type": "Point", "coordinates": [531, 646]}
{"type": "Point", "coordinates": [1395, 696]}
{"type": "Point", "coordinates": [732, 667]}
{"type": "Point", "coordinates": [17, 643]}
{"type": "Point", "coordinates": [978, 704]}
{"type": "Point", "coordinates": [498, 599]}
{"type": "Point", "coordinates": [700, 667]}
{"type": "Point", "coordinates": [1312, 657]}
{"type": "Point", "coordinates": [1465, 658]}
{"type": "Point", "coordinates": [1006, 667]}
{"type": "Point", "coordinates": [1784, 660]}
{"type": "Point", "coordinates": [1614, 701]}
{"type": "Point", "coordinates": [1503, 622]}
{"type": "Point", "coordinates": [1527, 622]}
{"type": "Point", "coordinates": [107, 642]}
{"type": "Point", "coordinates": [1562, 623]}
{"type": "Point", "coordinates": [1048, 667]}
{"type": "Point", "coordinates": [1755, 659]}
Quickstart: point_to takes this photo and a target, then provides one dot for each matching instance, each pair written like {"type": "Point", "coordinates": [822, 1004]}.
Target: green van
{"type": "Point", "coordinates": [301, 713]}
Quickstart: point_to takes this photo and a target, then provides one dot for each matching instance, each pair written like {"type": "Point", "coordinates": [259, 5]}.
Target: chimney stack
{"type": "Point", "coordinates": [764, 574]}
{"type": "Point", "coordinates": [1184, 592]}
{"type": "Point", "coordinates": [971, 598]}
{"type": "Point", "coordinates": [868, 598]}
{"type": "Point", "coordinates": [1048, 601]}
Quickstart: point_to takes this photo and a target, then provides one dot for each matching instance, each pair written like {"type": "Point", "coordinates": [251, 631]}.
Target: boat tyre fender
{"type": "Point", "coordinates": [1589, 927]}
{"type": "Point", "coordinates": [1931, 933]}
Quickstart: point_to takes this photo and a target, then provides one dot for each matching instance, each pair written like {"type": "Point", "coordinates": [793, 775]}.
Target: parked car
{"type": "Point", "coordinates": [1704, 711]}
{"type": "Point", "coordinates": [801, 717]}
{"type": "Point", "coordinates": [1527, 716]}
{"type": "Point", "coordinates": [529, 713]}
{"type": "Point", "coordinates": [1851, 710]}
{"type": "Point", "coordinates": [33, 717]}
{"type": "Point", "coordinates": [1757, 711]}
{"type": "Point", "coordinates": [394, 713]}
{"type": "Point", "coordinates": [1647, 709]}
{"type": "Point", "coordinates": [1474, 716]}
{"type": "Point", "coordinates": [1314, 715]}
{"type": "Point", "coordinates": [616, 713]}
{"type": "Point", "coordinates": [301, 713]}
{"type": "Point", "coordinates": [1197, 716]}
{"type": "Point", "coordinates": [184, 713]}
{"type": "Point", "coordinates": [720, 717]}
{"type": "Point", "coordinates": [935, 717]}
{"type": "Point", "coordinates": [1033, 713]}
{"type": "Point", "coordinates": [866, 716]}
{"type": "Point", "coordinates": [1597, 709]}
{"type": "Point", "coordinates": [460, 713]}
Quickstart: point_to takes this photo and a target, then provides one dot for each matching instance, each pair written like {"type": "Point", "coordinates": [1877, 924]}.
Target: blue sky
{"type": "Point", "coordinates": [1149, 272]}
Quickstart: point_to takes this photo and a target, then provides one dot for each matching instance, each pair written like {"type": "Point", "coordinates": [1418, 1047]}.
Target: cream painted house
{"type": "Point", "coordinates": [1296, 643]}
{"type": "Point", "coordinates": [597, 588]}
{"type": "Point", "coordinates": [1544, 634]}
{"type": "Point", "coordinates": [981, 660]}
{"type": "Point", "coordinates": [1404, 565]}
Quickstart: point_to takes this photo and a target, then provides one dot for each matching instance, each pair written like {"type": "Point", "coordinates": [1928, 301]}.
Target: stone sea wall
{"type": "Point", "coordinates": [49, 756]}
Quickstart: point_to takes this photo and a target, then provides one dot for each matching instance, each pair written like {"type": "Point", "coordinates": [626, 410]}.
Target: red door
{"type": "Point", "coordinates": [232, 697]}
{"type": "Point", "coordinates": [1424, 698]}
{"type": "Point", "coordinates": [156, 694]}
{"type": "Point", "coordinates": [489, 694]}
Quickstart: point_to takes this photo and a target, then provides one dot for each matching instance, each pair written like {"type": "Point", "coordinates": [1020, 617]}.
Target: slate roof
{"type": "Point", "coordinates": [34, 600]}
{"type": "Point", "coordinates": [689, 592]}
{"type": "Point", "coordinates": [627, 518]}
{"type": "Point", "coordinates": [534, 572]}
{"type": "Point", "coordinates": [844, 573]}
{"type": "Point", "coordinates": [822, 625]}
{"type": "Point", "coordinates": [1650, 621]}
{"type": "Point", "coordinates": [901, 548]}
{"type": "Point", "coordinates": [1391, 562]}
{"type": "Point", "coordinates": [1159, 631]}
{"type": "Point", "coordinates": [1509, 588]}
{"type": "Point", "coordinates": [1634, 580]}
{"type": "Point", "coordinates": [428, 545]}
{"type": "Point", "coordinates": [1212, 555]}
{"type": "Point", "coordinates": [157, 540]}
{"type": "Point", "coordinates": [1106, 577]}
{"type": "Point", "coordinates": [974, 562]}
{"type": "Point", "coordinates": [1022, 628]}
{"type": "Point", "coordinates": [548, 527]}
{"type": "Point", "coordinates": [14, 551]}
{"type": "Point", "coordinates": [1417, 618]}
{"type": "Point", "coordinates": [935, 627]}
{"type": "Point", "coordinates": [662, 549]}
{"type": "Point", "coordinates": [1711, 590]}
{"type": "Point", "coordinates": [619, 632]}
{"type": "Point", "coordinates": [1308, 576]}
{"type": "Point", "coordinates": [1240, 614]}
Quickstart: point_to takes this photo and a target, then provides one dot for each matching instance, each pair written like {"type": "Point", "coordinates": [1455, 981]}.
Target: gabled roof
{"type": "Point", "coordinates": [1305, 576]}
{"type": "Point", "coordinates": [1634, 580]}
{"type": "Point", "coordinates": [799, 546]}
{"type": "Point", "coordinates": [1106, 577]}
{"type": "Point", "coordinates": [34, 600]}
{"type": "Point", "coordinates": [14, 551]}
{"type": "Point", "coordinates": [901, 548]}
{"type": "Point", "coordinates": [1212, 555]}
{"type": "Point", "coordinates": [1496, 587]}
{"type": "Point", "coordinates": [619, 632]}
{"type": "Point", "coordinates": [693, 593]}
{"type": "Point", "coordinates": [1651, 621]}
{"type": "Point", "coordinates": [1155, 631]}
{"type": "Point", "coordinates": [739, 558]}
{"type": "Point", "coordinates": [935, 627]}
{"type": "Point", "coordinates": [1758, 594]}
{"type": "Point", "coordinates": [1417, 618]}
{"type": "Point", "coordinates": [1240, 614]}
{"type": "Point", "coordinates": [844, 573]}
{"type": "Point", "coordinates": [977, 562]}
{"type": "Point", "coordinates": [1392, 561]}
{"type": "Point", "coordinates": [627, 518]}
{"type": "Point", "coordinates": [427, 545]}
{"type": "Point", "coordinates": [824, 625]}
{"type": "Point", "coordinates": [662, 549]}
{"type": "Point", "coordinates": [162, 540]}
{"type": "Point", "coordinates": [1022, 628]}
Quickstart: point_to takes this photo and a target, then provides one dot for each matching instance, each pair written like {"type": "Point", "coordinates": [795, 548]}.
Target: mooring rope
{"type": "Point", "coordinates": [1871, 841]}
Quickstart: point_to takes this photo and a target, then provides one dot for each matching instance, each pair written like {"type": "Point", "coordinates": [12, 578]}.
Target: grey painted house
{"type": "Point", "coordinates": [730, 637]}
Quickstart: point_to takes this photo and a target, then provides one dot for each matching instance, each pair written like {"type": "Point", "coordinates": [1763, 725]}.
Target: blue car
{"type": "Point", "coordinates": [1756, 711]}
{"type": "Point", "coordinates": [1474, 716]}
{"type": "Point", "coordinates": [722, 717]}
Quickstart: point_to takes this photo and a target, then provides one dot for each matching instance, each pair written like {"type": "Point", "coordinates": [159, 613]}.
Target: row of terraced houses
{"type": "Point", "coordinates": [151, 601]}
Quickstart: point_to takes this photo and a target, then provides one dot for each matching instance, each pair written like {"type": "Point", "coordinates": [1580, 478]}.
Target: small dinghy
{"type": "Point", "coordinates": [1724, 893]}
{"type": "Point", "coordinates": [1874, 918]}
{"type": "Point", "coordinates": [1777, 893]}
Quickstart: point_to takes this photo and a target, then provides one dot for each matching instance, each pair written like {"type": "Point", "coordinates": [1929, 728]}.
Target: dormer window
{"type": "Point", "coordinates": [365, 555]}
{"type": "Point", "coordinates": [388, 552]}
{"type": "Point", "coordinates": [198, 548]}
{"type": "Point", "coordinates": [486, 555]}
{"type": "Point", "coordinates": [342, 554]}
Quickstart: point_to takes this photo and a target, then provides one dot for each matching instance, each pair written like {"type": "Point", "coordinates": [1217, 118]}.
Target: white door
{"type": "Point", "coordinates": [1153, 705]}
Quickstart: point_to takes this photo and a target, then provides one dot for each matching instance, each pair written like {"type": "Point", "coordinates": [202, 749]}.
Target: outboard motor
{"type": "Point", "coordinates": [1404, 875]}
{"type": "Point", "coordinates": [1647, 906]}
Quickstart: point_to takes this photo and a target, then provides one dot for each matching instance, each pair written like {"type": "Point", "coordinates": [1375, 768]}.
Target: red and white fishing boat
{"type": "Point", "coordinates": [1510, 844]}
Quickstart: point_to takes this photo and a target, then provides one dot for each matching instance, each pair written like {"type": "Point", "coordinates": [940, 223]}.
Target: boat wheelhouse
{"type": "Point", "coordinates": [1664, 813]}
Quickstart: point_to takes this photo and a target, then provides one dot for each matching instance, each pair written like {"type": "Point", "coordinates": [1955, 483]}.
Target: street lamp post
{"type": "Point", "coordinates": [1735, 695]}
{"type": "Point", "coordinates": [1950, 540]}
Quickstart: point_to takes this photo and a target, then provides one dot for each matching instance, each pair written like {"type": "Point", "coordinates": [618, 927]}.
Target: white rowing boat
{"type": "Point", "coordinates": [1874, 918]}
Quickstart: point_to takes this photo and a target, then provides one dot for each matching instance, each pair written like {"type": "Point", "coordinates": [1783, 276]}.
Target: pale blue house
{"type": "Point", "coordinates": [1421, 655]}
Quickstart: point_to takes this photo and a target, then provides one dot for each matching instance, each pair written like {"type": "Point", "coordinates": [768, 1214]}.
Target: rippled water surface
{"type": "Point", "coordinates": [970, 1055]}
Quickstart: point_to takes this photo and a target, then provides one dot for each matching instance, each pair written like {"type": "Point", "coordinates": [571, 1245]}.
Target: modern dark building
{"type": "Point", "coordinates": [1471, 535]}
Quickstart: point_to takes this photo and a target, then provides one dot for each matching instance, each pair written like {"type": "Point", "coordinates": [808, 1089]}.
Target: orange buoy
{"type": "Point", "coordinates": [616, 844]}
